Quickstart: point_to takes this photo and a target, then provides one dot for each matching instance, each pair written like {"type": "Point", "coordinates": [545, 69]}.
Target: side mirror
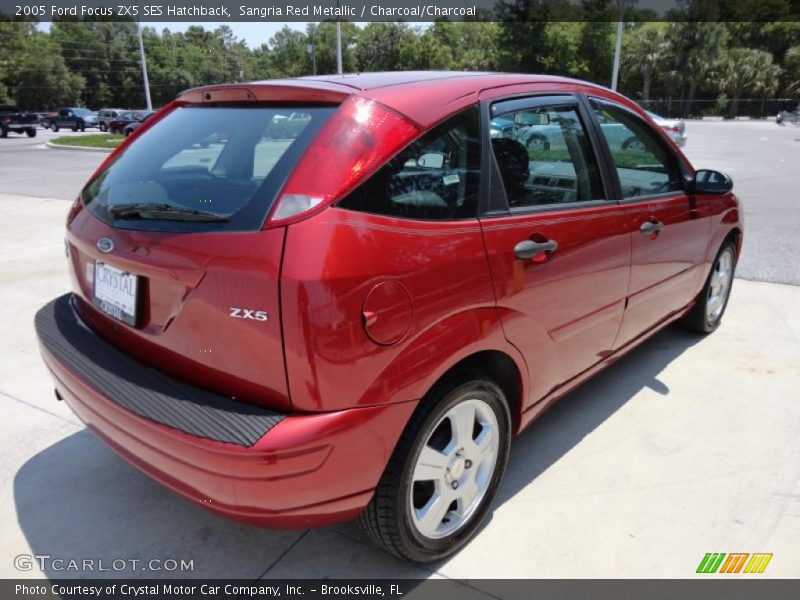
{"type": "Point", "coordinates": [707, 181]}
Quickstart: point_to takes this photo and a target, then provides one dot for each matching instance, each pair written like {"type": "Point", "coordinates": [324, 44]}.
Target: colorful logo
{"type": "Point", "coordinates": [716, 562]}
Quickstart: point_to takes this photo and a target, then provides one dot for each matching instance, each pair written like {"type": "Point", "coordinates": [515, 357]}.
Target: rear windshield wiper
{"type": "Point", "coordinates": [139, 210]}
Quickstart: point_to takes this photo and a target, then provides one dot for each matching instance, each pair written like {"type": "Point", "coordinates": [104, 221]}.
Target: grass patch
{"type": "Point", "coordinates": [624, 159]}
{"type": "Point", "coordinates": [95, 140]}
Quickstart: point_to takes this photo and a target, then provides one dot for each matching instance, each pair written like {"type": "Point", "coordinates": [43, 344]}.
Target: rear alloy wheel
{"type": "Point", "coordinates": [706, 315]}
{"type": "Point", "coordinates": [103, 127]}
{"type": "Point", "coordinates": [444, 473]}
{"type": "Point", "coordinates": [54, 127]}
{"type": "Point", "coordinates": [538, 142]}
{"type": "Point", "coordinates": [633, 144]}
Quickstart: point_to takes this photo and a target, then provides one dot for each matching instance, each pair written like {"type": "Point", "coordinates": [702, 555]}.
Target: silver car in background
{"type": "Point", "coordinates": [676, 128]}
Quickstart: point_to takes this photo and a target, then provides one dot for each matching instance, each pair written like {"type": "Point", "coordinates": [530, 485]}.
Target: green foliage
{"type": "Point", "coordinates": [722, 104]}
{"type": "Point", "coordinates": [380, 46]}
{"type": "Point", "coordinates": [791, 66]}
{"type": "Point", "coordinates": [97, 63]}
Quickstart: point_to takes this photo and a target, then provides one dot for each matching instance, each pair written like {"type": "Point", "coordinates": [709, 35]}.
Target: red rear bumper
{"type": "Point", "coordinates": [309, 469]}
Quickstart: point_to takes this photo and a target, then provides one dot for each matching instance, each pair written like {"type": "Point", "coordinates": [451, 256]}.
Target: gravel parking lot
{"type": "Point", "coordinates": [689, 445]}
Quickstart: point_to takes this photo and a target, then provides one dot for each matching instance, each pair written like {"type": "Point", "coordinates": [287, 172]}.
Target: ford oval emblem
{"type": "Point", "coordinates": [105, 245]}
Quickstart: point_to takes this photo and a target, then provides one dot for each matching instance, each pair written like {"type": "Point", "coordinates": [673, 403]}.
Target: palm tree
{"type": "Point", "coordinates": [747, 70]}
{"type": "Point", "coordinates": [791, 64]}
{"type": "Point", "coordinates": [697, 47]}
{"type": "Point", "coordinates": [647, 52]}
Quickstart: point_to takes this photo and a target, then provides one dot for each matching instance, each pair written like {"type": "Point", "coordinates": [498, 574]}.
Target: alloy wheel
{"type": "Point", "coordinates": [454, 469]}
{"type": "Point", "coordinates": [720, 285]}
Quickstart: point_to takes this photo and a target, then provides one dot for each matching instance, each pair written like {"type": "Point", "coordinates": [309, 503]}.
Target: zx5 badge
{"type": "Point", "coordinates": [247, 313]}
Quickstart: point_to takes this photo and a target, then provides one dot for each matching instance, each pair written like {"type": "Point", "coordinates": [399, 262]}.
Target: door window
{"type": "Point", "coordinates": [544, 157]}
{"type": "Point", "coordinates": [643, 163]}
{"type": "Point", "coordinates": [434, 178]}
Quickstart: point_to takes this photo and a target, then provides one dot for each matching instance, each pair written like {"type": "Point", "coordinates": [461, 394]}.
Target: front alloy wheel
{"type": "Point", "coordinates": [444, 472]}
{"type": "Point", "coordinates": [719, 285]}
{"type": "Point", "coordinates": [706, 315]}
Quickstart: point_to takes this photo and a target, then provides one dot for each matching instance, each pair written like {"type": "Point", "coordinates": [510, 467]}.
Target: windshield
{"type": "Point", "coordinates": [198, 163]}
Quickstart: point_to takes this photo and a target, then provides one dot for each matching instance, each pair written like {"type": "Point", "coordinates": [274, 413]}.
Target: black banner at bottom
{"type": "Point", "coordinates": [376, 589]}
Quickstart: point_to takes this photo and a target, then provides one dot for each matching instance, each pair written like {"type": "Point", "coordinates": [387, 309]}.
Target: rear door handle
{"type": "Point", "coordinates": [651, 226]}
{"type": "Point", "coordinates": [528, 248]}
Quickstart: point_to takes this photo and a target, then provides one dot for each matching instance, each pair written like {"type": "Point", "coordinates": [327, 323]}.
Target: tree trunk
{"type": "Point", "coordinates": [735, 103]}
{"type": "Point", "coordinates": [690, 99]}
{"type": "Point", "coordinates": [647, 77]}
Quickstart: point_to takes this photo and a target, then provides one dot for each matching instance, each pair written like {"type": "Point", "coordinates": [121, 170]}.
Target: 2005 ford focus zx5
{"type": "Point", "coordinates": [302, 301]}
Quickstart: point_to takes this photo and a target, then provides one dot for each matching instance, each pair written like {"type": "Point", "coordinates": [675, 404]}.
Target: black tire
{"type": "Point", "coordinates": [632, 143]}
{"type": "Point", "coordinates": [3, 132]}
{"type": "Point", "coordinates": [387, 519]}
{"type": "Point", "coordinates": [538, 142]}
{"type": "Point", "coordinates": [698, 318]}
{"type": "Point", "coordinates": [74, 128]}
{"type": "Point", "coordinates": [54, 127]}
{"type": "Point", "coordinates": [31, 132]}
{"type": "Point", "coordinates": [103, 127]}
{"type": "Point", "coordinates": [82, 126]}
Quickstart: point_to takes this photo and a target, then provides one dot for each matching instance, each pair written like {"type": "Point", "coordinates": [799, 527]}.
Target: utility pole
{"type": "Point", "coordinates": [339, 47]}
{"type": "Point", "coordinates": [144, 68]}
{"type": "Point", "coordinates": [338, 42]}
{"type": "Point", "coordinates": [618, 45]}
{"type": "Point", "coordinates": [312, 51]}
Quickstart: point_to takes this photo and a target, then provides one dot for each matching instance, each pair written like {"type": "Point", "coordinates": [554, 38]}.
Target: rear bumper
{"type": "Point", "coordinates": [242, 461]}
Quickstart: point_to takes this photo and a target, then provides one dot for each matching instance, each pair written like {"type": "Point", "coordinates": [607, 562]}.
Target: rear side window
{"type": "Point", "coordinates": [204, 168]}
{"type": "Point", "coordinates": [434, 178]}
{"type": "Point", "coordinates": [644, 165]}
{"type": "Point", "coordinates": [544, 157]}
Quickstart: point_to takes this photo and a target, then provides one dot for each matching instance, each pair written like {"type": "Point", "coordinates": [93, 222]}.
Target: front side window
{"type": "Point", "coordinates": [434, 178]}
{"type": "Point", "coordinates": [643, 164]}
{"type": "Point", "coordinates": [204, 168]}
{"type": "Point", "coordinates": [544, 157]}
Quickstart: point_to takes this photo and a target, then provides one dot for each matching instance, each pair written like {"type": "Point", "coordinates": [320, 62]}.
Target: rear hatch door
{"type": "Point", "coordinates": [169, 259]}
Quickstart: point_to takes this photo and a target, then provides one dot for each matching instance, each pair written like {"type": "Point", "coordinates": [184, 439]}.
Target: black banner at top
{"type": "Point", "coordinates": [399, 10]}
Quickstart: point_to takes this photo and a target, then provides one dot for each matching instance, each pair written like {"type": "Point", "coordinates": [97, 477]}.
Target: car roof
{"type": "Point", "coordinates": [424, 96]}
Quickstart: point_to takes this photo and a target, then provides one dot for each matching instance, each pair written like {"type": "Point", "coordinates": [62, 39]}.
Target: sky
{"type": "Point", "coordinates": [254, 34]}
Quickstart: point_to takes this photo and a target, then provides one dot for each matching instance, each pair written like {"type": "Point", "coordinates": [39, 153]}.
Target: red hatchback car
{"type": "Point", "coordinates": [300, 301]}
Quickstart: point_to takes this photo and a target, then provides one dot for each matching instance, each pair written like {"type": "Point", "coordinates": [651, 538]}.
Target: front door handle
{"type": "Point", "coordinates": [528, 248]}
{"type": "Point", "coordinates": [651, 226]}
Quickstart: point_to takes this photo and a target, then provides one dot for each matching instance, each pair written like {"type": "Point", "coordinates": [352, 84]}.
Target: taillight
{"type": "Point", "coordinates": [360, 137]}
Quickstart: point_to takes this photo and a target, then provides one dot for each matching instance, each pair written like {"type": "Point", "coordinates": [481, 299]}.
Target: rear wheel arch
{"type": "Point", "coordinates": [497, 366]}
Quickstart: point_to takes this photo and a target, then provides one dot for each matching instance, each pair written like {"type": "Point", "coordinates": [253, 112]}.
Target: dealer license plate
{"type": "Point", "coordinates": [115, 292]}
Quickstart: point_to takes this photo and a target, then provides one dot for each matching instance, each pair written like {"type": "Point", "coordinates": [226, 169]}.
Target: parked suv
{"type": "Point", "coordinates": [106, 115]}
{"type": "Point", "coordinates": [354, 318]}
{"type": "Point", "coordinates": [77, 119]}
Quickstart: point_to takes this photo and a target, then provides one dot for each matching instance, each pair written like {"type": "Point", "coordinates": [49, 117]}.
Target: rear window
{"type": "Point", "coordinates": [204, 168]}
